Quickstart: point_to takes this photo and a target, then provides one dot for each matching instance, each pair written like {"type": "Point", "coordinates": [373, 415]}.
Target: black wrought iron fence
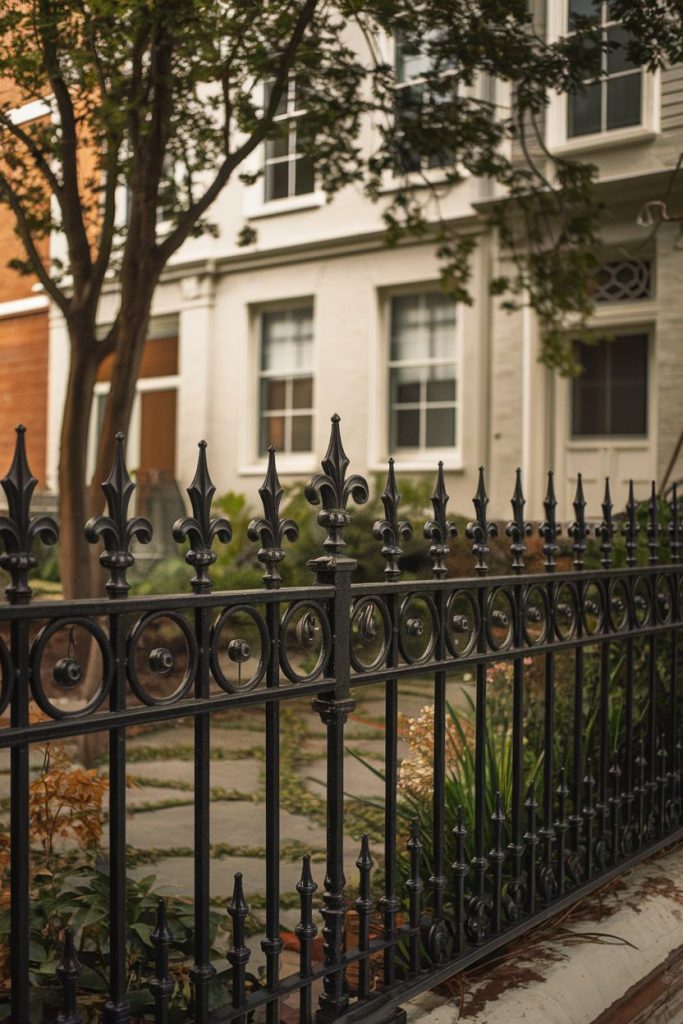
{"type": "Point", "coordinates": [607, 791]}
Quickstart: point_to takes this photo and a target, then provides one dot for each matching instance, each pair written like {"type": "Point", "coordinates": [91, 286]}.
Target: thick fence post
{"type": "Point", "coordinates": [332, 490]}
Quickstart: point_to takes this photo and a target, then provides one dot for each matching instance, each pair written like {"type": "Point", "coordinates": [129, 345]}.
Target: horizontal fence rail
{"type": "Point", "coordinates": [533, 828]}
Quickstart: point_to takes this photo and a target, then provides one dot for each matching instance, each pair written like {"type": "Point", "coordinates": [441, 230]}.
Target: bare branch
{"type": "Point", "coordinates": [36, 152]}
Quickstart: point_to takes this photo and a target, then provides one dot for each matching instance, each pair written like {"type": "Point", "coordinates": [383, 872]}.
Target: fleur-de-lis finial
{"type": "Point", "coordinates": [579, 530]}
{"type": "Point", "coordinates": [439, 529]}
{"type": "Point", "coordinates": [631, 529]}
{"type": "Point", "coordinates": [391, 529]}
{"type": "Point", "coordinates": [518, 528]}
{"type": "Point", "coordinates": [19, 529]}
{"type": "Point", "coordinates": [653, 526]}
{"type": "Point", "coordinates": [674, 527]}
{"type": "Point", "coordinates": [200, 529]}
{"type": "Point", "coordinates": [605, 531]}
{"type": "Point", "coordinates": [116, 530]}
{"type": "Point", "coordinates": [549, 529]}
{"type": "Point", "coordinates": [270, 530]}
{"type": "Point", "coordinates": [480, 530]}
{"type": "Point", "coordinates": [332, 490]}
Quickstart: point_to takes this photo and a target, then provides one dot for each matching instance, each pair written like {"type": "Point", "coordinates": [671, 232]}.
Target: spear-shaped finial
{"type": "Point", "coordinates": [332, 490]}
{"type": "Point", "coordinates": [19, 529]}
{"type": "Point", "coordinates": [605, 530]}
{"type": "Point", "coordinates": [549, 529]}
{"type": "Point", "coordinates": [270, 530]}
{"type": "Point", "coordinates": [439, 529]}
{"type": "Point", "coordinates": [578, 530]}
{"type": "Point", "coordinates": [631, 529]}
{"type": "Point", "coordinates": [161, 985]}
{"type": "Point", "coordinates": [116, 530]}
{"type": "Point", "coordinates": [518, 528]}
{"type": "Point", "coordinates": [480, 530]}
{"type": "Point", "coordinates": [200, 529]}
{"type": "Point", "coordinates": [653, 526]}
{"type": "Point", "coordinates": [391, 529]}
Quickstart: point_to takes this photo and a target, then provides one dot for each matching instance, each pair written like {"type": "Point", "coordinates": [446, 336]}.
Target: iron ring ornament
{"type": "Point", "coordinates": [240, 651]}
{"type": "Point", "coordinates": [535, 612]}
{"type": "Point", "coordinates": [412, 627]}
{"type": "Point", "coordinates": [309, 623]}
{"type": "Point", "coordinates": [67, 671]}
{"type": "Point", "coordinates": [594, 608]}
{"type": "Point", "coordinates": [366, 633]}
{"type": "Point", "coordinates": [619, 605]}
{"type": "Point", "coordinates": [462, 623]}
{"type": "Point", "coordinates": [566, 611]}
{"type": "Point", "coordinates": [161, 659]}
{"type": "Point", "coordinates": [500, 619]}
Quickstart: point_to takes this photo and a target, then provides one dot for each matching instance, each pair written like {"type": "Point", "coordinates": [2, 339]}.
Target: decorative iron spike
{"type": "Point", "coordinates": [497, 855]}
{"type": "Point", "coordinates": [161, 985]}
{"type": "Point", "coordinates": [19, 529]}
{"type": "Point", "coordinates": [549, 529]}
{"type": "Point", "coordinates": [531, 841]}
{"type": "Point", "coordinates": [67, 972]}
{"type": "Point", "coordinates": [480, 530]}
{"type": "Point", "coordinates": [561, 828]}
{"type": "Point", "coordinates": [615, 809]}
{"type": "Point", "coordinates": [579, 529]}
{"type": "Point", "coordinates": [238, 954]}
{"type": "Point", "coordinates": [364, 863]}
{"type": "Point", "coordinates": [640, 790]}
{"type": "Point", "coordinates": [116, 530]}
{"type": "Point", "coordinates": [460, 869]}
{"type": "Point", "coordinates": [674, 528]}
{"type": "Point", "coordinates": [270, 530]}
{"type": "Point", "coordinates": [332, 490]}
{"type": "Point", "coordinates": [439, 529]}
{"type": "Point", "coordinates": [631, 529]}
{"type": "Point", "coordinates": [605, 531]}
{"type": "Point", "coordinates": [415, 886]}
{"type": "Point", "coordinates": [518, 528]}
{"type": "Point", "coordinates": [588, 814]}
{"type": "Point", "coordinates": [200, 529]}
{"type": "Point", "coordinates": [653, 526]}
{"type": "Point", "coordinates": [391, 529]}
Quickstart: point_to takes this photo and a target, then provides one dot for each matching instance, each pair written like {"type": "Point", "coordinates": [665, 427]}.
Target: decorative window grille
{"type": "Point", "coordinates": [624, 281]}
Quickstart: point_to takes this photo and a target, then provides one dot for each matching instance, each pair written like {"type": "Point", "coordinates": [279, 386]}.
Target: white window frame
{"type": "Point", "coordinates": [420, 459]}
{"type": "Point", "coordinates": [557, 111]}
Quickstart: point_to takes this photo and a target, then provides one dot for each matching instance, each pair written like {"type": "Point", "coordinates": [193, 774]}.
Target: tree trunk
{"type": "Point", "coordinates": [74, 551]}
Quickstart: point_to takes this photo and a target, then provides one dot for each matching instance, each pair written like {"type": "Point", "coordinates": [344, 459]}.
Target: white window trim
{"type": "Point", "coordinates": [619, 442]}
{"type": "Point", "coordinates": [23, 307]}
{"type": "Point", "coordinates": [559, 142]}
{"type": "Point", "coordinates": [417, 459]}
{"type": "Point", "coordinates": [254, 461]}
{"type": "Point", "coordinates": [256, 206]}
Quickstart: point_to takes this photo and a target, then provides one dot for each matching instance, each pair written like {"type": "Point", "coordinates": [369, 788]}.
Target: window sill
{"type": "Point", "coordinates": [287, 465]}
{"type": "Point", "coordinates": [292, 204]}
{"type": "Point", "coordinates": [604, 140]}
{"type": "Point", "coordinates": [420, 179]}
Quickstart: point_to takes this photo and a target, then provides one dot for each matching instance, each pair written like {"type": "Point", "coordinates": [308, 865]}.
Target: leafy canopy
{"type": "Point", "coordinates": [164, 97]}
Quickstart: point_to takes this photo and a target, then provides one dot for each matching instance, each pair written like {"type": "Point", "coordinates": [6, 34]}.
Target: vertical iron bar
{"type": "Point", "coordinates": [116, 1010]}
{"type": "Point", "coordinates": [497, 856]}
{"type": "Point", "coordinates": [389, 903]}
{"type": "Point", "coordinates": [530, 843]}
{"type": "Point", "coordinates": [549, 530]}
{"type": "Point", "coordinates": [588, 817]}
{"type": "Point", "coordinates": [161, 986]}
{"type": "Point", "coordinates": [561, 827]}
{"type": "Point", "coordinates": [578, 531]}
{"type": "Point", "coordinates": [653, 558]}
{"type": "Point", "coordinates": [272, 944]}
{"type": "Point", "coordinates": [438, 880]}
{"type": "Point", "coordinates": [364, 909]}
{"type": "Point", "coordinates": [460, 869]}
{"type": "Point", "coordinates": [602, 809]}
{"type": "Point", "coordinates": [20, 902]}
{"type": "Point", "coordinates": [615, 810]}
{"type": "Point", "coordinates": [202, 970]}
{"type": "Point", "coordinates": [662, 758]}
{"type": "Point", "coordinates": [239, 953]}
{"type": "Point", "coordinates": [631, 529]}
{"type": "Point", "coordinates": [640, 791]}
{"type": "Point", "coordinates": [414, 886]}
{"type": "Point", "coordinates": [305, 931]}
{"type": "Point", "coordinates": [67, 972]}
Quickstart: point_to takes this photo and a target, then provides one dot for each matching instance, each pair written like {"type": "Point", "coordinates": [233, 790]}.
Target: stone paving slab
{"type": "Point", "coordinates": [183, 736]}
{"type": "Point", "coordinates": [175, 876]}
{"type": "Point", "coordinates": [359, 781]}
{"type": "Point", "coordinates": [141, 796]}
{"type": "Point", "coordinates": [242, 775]}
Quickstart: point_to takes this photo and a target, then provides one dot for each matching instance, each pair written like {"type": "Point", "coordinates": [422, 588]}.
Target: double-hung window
{"type": "Point", "coordinates": [417, 106]}
{"type": "Point", "coordinates": [286, 380]}
{"type": "Point", "coordinates": [614, 98]}
{"type": "Point", "coordinates": [609, 399]}
{"type": "Point", "coordinates": [423, 396]}
{"type": "Point", "coordinates": [287, 171]}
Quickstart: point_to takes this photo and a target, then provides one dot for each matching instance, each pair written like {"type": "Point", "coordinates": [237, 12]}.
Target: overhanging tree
{"type": "Point", "coordinates": [138, 87]}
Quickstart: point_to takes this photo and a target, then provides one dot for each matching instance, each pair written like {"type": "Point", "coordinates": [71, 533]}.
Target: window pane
{"type": "Point", "coordinates": [617, 56]}
{"type": "Point", "coordinates": [440, 428]}
{"type": "Point", "coordinates": [302, 393]}
{"type": "Point", "coordinates": [623, 101]}
{"type": "Point", "coordinates": [278, 146]}
{"type": "Point", "coordinates": [302, 432]}
{"type": "Point", "coordinates": [405, 386]}
{"type": "Point", "coordinates": [422, 327]}
{"type": "Point", "coordinates": [441, 390]}
{"type": "Point", "coordinates": [629, 409]}
{"type": "Point", "coordinates": [411, 60]}
{"type": "Point", "coordinates": [589, 391]}
{"type": "Point", "coordinates": [583, 110]}
{"type": "Point", "coordinates": [277, 180]}
{"type": "Point", "coordinates": [583, 9]}
{"type": "Point", "coordinates": [407, 429]}
{"type": "Point", "coordinates": [441, 325]}
{"type": "Point", "coordinates": [629, 384]}
{"type": "Point", "coordinates": [274, 394]}
{"type": "Point", "coordinates": [304, 176]}
{"type": "Point", "coordinates": [287, 340]}
{"type": "Point", "coordinates": [273, 432]}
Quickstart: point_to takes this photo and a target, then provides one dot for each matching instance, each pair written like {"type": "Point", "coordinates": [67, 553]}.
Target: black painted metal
{"type": "Point", "coordinates": [530, 852]}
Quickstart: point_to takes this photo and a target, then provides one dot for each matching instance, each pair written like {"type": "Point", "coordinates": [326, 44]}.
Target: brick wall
{"type": "Point", "coordinates": [23, 396]}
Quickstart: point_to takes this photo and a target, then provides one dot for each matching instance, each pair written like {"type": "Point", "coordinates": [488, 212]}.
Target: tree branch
{"type": "Point", "coordinates": [36, 152]}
